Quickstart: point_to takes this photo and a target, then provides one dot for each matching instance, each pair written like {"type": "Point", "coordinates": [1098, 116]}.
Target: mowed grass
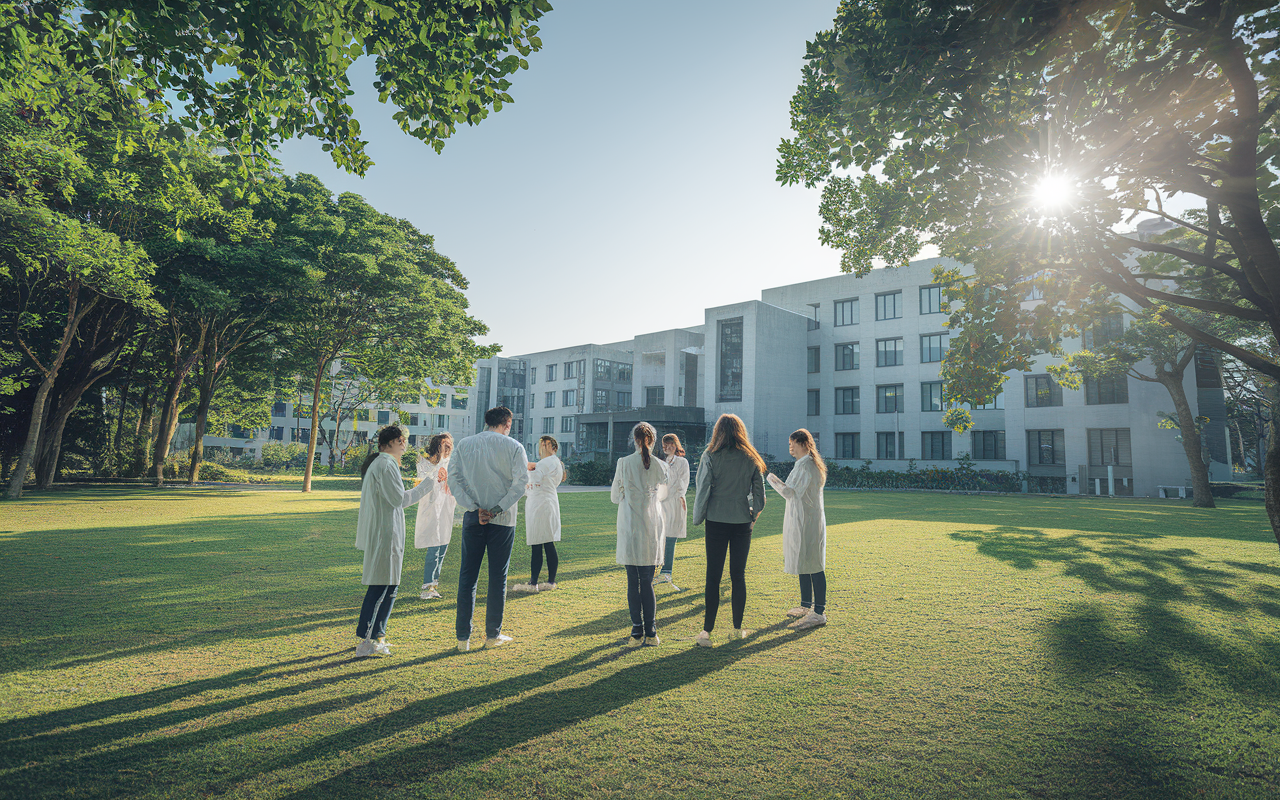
{"type": "Point", "coordinates": [177, 643]}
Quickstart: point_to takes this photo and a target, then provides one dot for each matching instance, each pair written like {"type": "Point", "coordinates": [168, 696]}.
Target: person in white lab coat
{"type": "Point", "coordinates": [639, 486]}
{"type": "Point", "coordinates": [542, 515]}
{"type": "Point", "coordinates": [434, 525]}
{"type": "Point", "coordinates": [675, 511]}
{"type": "Point", "coordinates": [804, 529]}
{"type": "Point", "coordinates": [380, 534]}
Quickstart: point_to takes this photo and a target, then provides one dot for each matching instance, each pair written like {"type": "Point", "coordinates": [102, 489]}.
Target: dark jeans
{"type": "Point", "coordinates": [535, 562]}
{"type": "Point", "coordinates": [378, 601]}
{"type": "Point", "coordinates": [670, 555]}
{"type": "Point", "coordinates": [736, 539]}
{"type": "Point", "coordinates": [813, 591]}
{"type": "Point", "coordinates": [640, 600]}
{"type": "Point", "coordinates": [476, 540]}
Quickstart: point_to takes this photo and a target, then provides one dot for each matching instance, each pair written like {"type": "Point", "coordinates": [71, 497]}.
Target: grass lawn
{"type": "Point", "coordinates": [180, 643]}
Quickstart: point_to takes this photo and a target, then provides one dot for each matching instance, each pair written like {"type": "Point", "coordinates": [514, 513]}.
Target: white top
{"type": "Point", "coordinates": [380, 524]}
{"type": "Point", "coordinates": [434, 525]}
{"type": "Point", "coordinates": [675, 514]}
{"type": "Point", "coordinates": [489, 470]}
{"type": "Point", "coordinates": [804, 525]}
{"type": "Point", "coordinates": [542, 509]}
{"type": "Point", "coordinates": [638, 493]}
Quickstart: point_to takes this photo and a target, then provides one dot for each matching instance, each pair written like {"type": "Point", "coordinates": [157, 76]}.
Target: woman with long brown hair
{"type": "Point", "coordinates": [804, 529]}
{"type": "Point", "coordinates": [675, 511]}
{"type": "Point", "coordinates": [638, 485]}
{"type": "Point", "coordinates": [434, 526]}
{"type": "Point", "coordinates": [729, 497]}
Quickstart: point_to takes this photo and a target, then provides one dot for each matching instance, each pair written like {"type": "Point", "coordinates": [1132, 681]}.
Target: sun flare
{"type": "Point", "coordinates": [1054, 191]}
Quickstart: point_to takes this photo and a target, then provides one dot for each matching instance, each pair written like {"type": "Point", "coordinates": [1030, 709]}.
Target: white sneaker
{"type": "Point", "coordinates": [382, 648]}
{"type": "Point", "coordinates": [498, 642]}
{"type": "Point", "coordinates": [703, 639]}
{"type": "Point", "coordinates": [524, 587]}
{"type": "Point", "coordinates": [740, 633]}
{"type": "Point", "coordinates": [464, 645]}
{"type": "Point", "coordinates": [662, 578]}
{"type": "Point", "coordinates": [367, 647]}
{"type": "Point", "coordinates": [429, 593]}
{"type": "Point", "coordinates": [812, 620]}
{"type": "Point", "coordinates": [545, 587]}
{"type": "Point", "coordinates": [798, 611]}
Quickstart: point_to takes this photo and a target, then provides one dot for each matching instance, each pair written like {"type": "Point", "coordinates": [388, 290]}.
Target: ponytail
{"type": "Point", "coordinates": [644, 436]}
{"type": "Point", "coordinates": [385, 437]}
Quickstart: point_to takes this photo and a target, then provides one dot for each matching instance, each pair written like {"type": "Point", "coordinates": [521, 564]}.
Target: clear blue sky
{"type": "Point", "coordinates": [631, 184]}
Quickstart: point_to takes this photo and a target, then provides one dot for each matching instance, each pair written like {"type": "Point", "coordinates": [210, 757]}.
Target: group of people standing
{"type": "Point", "coordinates": [486, 475]}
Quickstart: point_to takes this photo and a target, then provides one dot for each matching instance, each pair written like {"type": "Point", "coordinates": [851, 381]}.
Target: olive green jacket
{"type": "Point", "coordinates": [729, 488]}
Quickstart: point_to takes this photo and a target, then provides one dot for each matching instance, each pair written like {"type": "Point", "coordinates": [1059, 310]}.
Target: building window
{"type": "Point", "coordinates": [533, 375]}
{"type": "Point", "coordinates": [890, 399]}
{"type": "Point", "coordinates": [888, 352]}
{"type": "Point", "coordinates": [847, 356]}
{"type": "Point", "coordinates": [413, 420]}
{"type": "Point", "coordinates": [384, 417]}
{"type": "Point", "coordinates": [848, 446]}
{"type": "Point", "coordinates": [1106, 330]}
{"type": "Point", "coordinates": [995, 405]}
{"type": "Point", "coordinates": [604, 370]}
{"type": "Point", "coordinates": [568, 424]}
{"type": "Point", "coordinates": [847, 400]}
{"type": "Point", "coordinates": [815, 359]}
{"type": "Point", "coordinates": [729, 380]}
{"type": "Point", "coordinates": [624, 399]}
{"type": "Point", "coordinates": [846, 312]}
{"type": "Point", "coordinates": [277, 433]}
{"type": "Point", "coordinates": [891, 446]}
{"type": "Point", "coordinates": [931, 301]}
{"type": "Point", "coordinates": [548, 424]}
{"type": "Point", "coordinates": [601, 402]}
{"type": "Point", "coordinates": [931, 396]}
{"type": "Point", "coordinates": [549, 400]}
{"type": "Point", "coordinates": [988, 445]}
{"type": "Point", "coordinates": [935, 446]}
{"type": "Point", "coordinates": [570, 398]}
{"type": "Point", "coordinates": [413, 440]}
{"type": "Point", "coordinates": [889, 305]}
{"type": "Point", "coordinates": [277, 409]}
{"type": "Point", "coordinates": [1110, 447]}
{"type": "Point", "coordinates": [551, 372]}
{"type": "Point", "coordinates": [1043, 391]}
{"type": "Point", "coordinates": [814, 402]}
{"type": "Point", "coordinates": [570, 369]}
{"type": "Point", "coordinates": [621, 372]}
{"type": "Point", "coordinates": [362, 415]}
{"type": "Point", "coordinates": [441, 420]}
{"type": "Point", "coordinates": [933, 346]}
{"type": "Point", "coordinates": [1046, 448]}
{"type": "Point", "coordinates": [655, 395]}
{"type": "Point", "coordinates": [1106, 391]}
{"type": "Point", "coordinates": [460, 402]}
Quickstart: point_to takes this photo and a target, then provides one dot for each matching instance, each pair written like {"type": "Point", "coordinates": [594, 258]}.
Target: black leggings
{"type": "Point", "coordinates": [736, 539]}
{"type": "Point", "coordinates": [813, 591]}
{"type": "Point", "coordinates": [535, 564]}
{"type": "Point", "coordinates": [641, 602]}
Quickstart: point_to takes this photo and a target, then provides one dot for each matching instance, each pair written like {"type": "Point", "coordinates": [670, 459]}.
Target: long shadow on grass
{"type": "Point", "coordinates": [1156, 643]}
{"type": "Point", "coordinates": [544, 713]}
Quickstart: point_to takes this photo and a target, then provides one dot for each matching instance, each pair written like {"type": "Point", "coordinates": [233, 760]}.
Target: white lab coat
{"type": "Point", "coordinates": [434, 525]}
{"type": "Point", "coordinates": [804, 525]}
{"type": "Point", "coordinates": [542, 509]}
{"type": "Point", "coordinates": [639, 493]}
{"type": "Point", "coordinates": [380, 525]}
{"type": "Point", "coordinates": [675, 515]}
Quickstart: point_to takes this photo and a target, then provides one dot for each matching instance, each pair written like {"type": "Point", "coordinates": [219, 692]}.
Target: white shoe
{"type": "Point", "coordinates": [498, 642]}
{"type": "Point", "coordinates": [545, 587]}
{"type": "Point", "coordinates": [740, 633]}
{"type": "Point", "coordinates": [524, 587]}
{"type": "Point", "coordinates": [812, 620]}
{"type": "Point", "coordinates": [367, 647]}
{"type": "Point", "coordinates": [662, 578]}
{"type": "Point", "coordinates": [652, 641]}
{"type": "Point", "coordinates": [429, 593]}
{"type": "Point", "coordinates": [798, 611]}
{"type": "Point", "coordinates": [464, 645]}
{"type": "Point", "coordinates": [703, 639]}
{"type": "Point", "coordinates": [382, 648]}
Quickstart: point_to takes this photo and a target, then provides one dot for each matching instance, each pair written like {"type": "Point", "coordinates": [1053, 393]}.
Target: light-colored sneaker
{"type": "Point", "coordinates": [367, 647]}
{"type": "Point", "coordinates": [498, 642]}
{"type": "Point", "coordinates": [524, 587]}
{"type": "Point", "coordinates": [429, 593]}
{"type": "Point", "coordinates": [464, 645]}
{"type": "Point", "coordinates": [811, 620]}
{"type": "Point", "coordinates": [546, 587]}
{"type": "Point", "coordinates": [740, 633]}
{"type": "Point", "coordinates": [703, 639]}
{"type": "Point", "coordinates": [798, 611]}
{"type": "Point", "coordinates": [382, 648]}
{"type": "Point", "coordinates": [663, 577]}
{"type": "Point", "coordinates": [652, 641]}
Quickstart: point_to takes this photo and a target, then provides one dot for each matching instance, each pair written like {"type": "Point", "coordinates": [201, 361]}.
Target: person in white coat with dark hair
{"type": "Point", "coordinates": [542, 516]}
{"type": "Point", "coordinates": [380, 533]}
{"type": "Point", "coordinates": [804, 529]}
{"type": "Point", "coordinates": [434, 526]}
{"type": "Point", "coordinates": [639, 485]}
{"type": "Point", "coordinates": [675, 510]}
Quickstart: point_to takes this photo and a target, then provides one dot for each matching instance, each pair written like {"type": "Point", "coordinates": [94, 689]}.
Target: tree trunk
{"type": "Point", "coordinates": [1270, 468]}
{"type": "Point", "coordinates": [168, 425]}
{"type": "Point", "coordinates": [142, 435]}
{"type": "Point", "coordinates": [1191, 444]}
{"type": "Point", "coordinates": [315, 422]}
{"type": "Point", "coordinates": [202, 421]}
